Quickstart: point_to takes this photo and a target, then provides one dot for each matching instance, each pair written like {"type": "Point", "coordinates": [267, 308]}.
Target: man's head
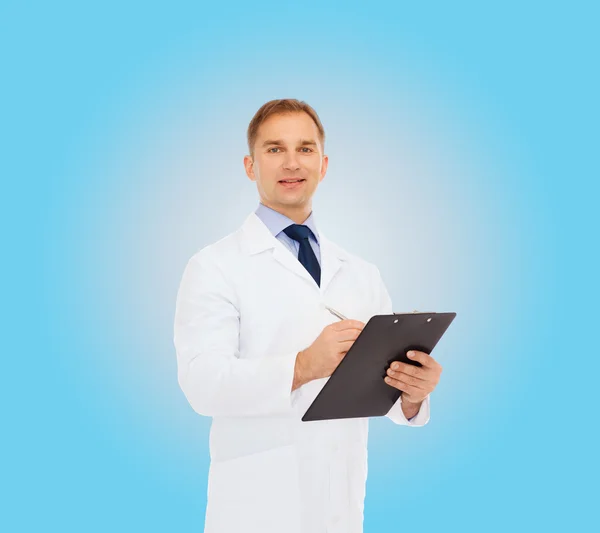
{"type": "Point", "coordinates": [286, 141]}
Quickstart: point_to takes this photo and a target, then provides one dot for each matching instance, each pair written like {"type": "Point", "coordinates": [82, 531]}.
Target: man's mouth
{"type": "Point", "coordinates": [292, 183]}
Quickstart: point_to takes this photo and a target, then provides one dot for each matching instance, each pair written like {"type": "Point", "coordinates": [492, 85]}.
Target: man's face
{"type": "Point", "coordinates": [287, 146]}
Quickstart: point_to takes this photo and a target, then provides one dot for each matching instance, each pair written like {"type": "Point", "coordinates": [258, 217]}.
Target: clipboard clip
{"type": "Point", "coordinates": [415, 312]}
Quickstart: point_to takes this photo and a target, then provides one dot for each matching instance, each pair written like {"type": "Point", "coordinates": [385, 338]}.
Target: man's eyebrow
{"type": "Point", "coordinates": [274, 141]}
{"type": "Point", "coordinates": [303, 142]}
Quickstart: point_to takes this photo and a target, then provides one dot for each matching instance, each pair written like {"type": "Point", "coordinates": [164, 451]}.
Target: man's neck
{"type": "Point", "coordinates": [298, 215]}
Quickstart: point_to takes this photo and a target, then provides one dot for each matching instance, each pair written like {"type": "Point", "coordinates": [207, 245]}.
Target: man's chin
{"type": "Point", "coordinates": [287, 202]}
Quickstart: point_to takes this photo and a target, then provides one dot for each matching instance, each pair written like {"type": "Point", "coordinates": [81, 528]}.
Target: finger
{"type": "Point", "coordinates": [424, 358]}
{"type": "Point", "coordinates": [347, 335]}
{"type": "Point", "coordinates": [411, 370]}
{"type": "Point", "coordinates": [345, 345]}
{"type": "Point", "coordinates": [416, 385]}
{"type": "Point", "coordinates": [404, 387]}
{"type": "Point", "coordinates": [348, 324]}
{"type": "Point", "coordinates": [411, 380]}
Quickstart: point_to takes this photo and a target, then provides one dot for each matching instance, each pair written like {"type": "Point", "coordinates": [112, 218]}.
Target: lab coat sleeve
{"type": "Point", "coordinates": [395, 414]}
{"type": "Point", "coordinates": [214, 379]}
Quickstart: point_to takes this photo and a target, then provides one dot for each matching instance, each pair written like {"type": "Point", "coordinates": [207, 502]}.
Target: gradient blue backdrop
{"type": "Point", "coordinates": [463, 144]}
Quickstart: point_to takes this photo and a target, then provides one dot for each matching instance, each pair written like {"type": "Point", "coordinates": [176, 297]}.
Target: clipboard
{"type": "Point", "coordinates": [356, 388]}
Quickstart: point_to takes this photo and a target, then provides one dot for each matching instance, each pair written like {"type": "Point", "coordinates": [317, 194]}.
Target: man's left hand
{"type": "Point", "coordinates": [414, 382]}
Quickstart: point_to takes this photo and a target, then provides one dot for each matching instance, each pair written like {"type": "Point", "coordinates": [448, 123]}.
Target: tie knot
{"type": "Point", "coordinates": [297, 232]}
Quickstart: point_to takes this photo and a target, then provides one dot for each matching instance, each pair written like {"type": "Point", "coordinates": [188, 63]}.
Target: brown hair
{"type": "Point", "coordinates": [276, 107]}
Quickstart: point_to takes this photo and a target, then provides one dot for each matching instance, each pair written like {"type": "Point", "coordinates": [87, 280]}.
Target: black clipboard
{"type": "Point", "coordinates": [356, 388]}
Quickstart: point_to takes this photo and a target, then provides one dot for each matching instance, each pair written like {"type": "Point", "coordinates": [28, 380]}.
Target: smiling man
{"type": "Point", "coordinates": [255, 344]}
{"type": "Point", "coordinates": [286, 161]}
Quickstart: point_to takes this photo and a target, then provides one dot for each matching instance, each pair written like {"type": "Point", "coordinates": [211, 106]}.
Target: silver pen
{"type": "Point", "coordinates": [336, 313]}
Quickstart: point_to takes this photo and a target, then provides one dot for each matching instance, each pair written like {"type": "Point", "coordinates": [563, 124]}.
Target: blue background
{"type": "Point", "coordinates": [463, 144]}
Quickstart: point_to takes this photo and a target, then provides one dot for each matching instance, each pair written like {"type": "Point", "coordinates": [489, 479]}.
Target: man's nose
{"type": "Point", "coordinates": [291, 162]}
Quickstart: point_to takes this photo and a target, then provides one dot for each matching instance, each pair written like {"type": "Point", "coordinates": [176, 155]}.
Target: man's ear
{"type": "Point", "coordinates": [324, 165]}
{"type": "Point", "coordinates": [249, 167]}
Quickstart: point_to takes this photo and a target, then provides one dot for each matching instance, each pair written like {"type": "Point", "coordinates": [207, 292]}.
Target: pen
{"type": "Point", "coordinates": [333, 311]}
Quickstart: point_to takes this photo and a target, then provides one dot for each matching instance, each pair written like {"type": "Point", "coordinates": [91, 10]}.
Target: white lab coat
{"type": "Point", "coordinates": [245, 307]}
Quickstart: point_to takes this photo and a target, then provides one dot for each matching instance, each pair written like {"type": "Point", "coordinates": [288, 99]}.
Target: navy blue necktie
{"type": "Point", "coordinates": [306, 255]}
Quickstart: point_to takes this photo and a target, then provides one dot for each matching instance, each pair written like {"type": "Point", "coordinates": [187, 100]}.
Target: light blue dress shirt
{"type": "Point", "coordinates": [276, 222]}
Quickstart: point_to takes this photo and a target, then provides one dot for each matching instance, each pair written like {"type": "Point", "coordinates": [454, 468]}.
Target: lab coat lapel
{"type": "Point", "coordinates": [331, 260]}
{"type": "Point", "coordinates": [258, 238]}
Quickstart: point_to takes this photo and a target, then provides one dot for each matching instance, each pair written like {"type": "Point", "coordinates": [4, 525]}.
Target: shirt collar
{"type": "Point", "coordinates": [277, 222]}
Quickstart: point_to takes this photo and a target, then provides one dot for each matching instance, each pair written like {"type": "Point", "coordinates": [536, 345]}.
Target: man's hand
{"type": "Point", "coordinates": [323, 356]}
{"type": "Point", "coordinates": [414, 382]}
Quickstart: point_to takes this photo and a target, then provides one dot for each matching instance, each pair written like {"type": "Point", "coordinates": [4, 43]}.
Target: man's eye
{"type": "Point", "coordinates": [304, 148]}
{"type": "Point", "coordinates": [275, 148]}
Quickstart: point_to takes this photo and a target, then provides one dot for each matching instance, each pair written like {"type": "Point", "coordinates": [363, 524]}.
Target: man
{"type": "Point", "coordinates": [255, 344]}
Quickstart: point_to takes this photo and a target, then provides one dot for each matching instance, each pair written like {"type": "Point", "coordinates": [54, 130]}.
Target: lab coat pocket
{"type": "Point", "coordinates": [255, 493]}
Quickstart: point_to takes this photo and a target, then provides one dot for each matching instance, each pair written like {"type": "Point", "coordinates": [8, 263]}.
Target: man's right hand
{"type": "Point", "coordinates": [323, 356]}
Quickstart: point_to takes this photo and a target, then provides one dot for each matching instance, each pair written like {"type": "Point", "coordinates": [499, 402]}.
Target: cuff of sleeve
{"type": "Point", "coordinates": [293, 395]}
{"type": "Point", "coordinates": [420, 419]}
{"type": "Point", "coordinates": [271, 390]}
{"type": "Point", "coordinates": [288, 365]}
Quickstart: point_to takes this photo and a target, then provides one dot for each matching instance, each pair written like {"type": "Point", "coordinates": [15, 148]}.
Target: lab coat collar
{"type": "Point", "coordinates": [257, 238]}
